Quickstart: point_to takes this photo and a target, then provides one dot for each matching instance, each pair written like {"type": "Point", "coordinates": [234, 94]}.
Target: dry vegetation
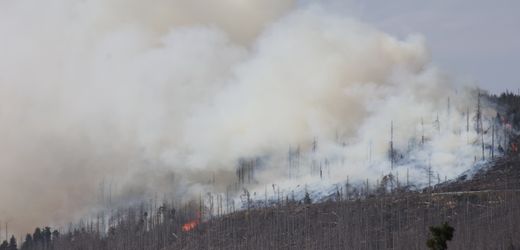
{"type": "Point", "coordinates": [484, 210]}
{"type": "Point", "coordinates": [482, 218]}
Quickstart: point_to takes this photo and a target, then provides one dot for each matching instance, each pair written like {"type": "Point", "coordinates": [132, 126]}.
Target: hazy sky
{"type": "Point", "coordinates": [477, 40]}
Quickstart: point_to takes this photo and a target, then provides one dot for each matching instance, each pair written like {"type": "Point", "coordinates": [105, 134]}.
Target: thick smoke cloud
{"type": "Point", "coordinates": [162, 97]}
{"type": "Point", "coordinates": [94, 90]}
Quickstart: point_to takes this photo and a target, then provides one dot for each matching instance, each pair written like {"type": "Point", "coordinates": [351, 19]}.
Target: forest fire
{"type": "Point", "coordinates": [190, 225]}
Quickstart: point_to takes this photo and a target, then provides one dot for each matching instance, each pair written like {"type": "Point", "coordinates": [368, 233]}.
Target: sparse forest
{"type": "Point", "coordinates": [259, 124]}
{"type": "Point", "coordinates": [483, 212]}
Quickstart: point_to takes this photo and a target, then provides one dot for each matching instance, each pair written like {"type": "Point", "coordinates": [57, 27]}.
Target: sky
{"type": "Point", "coordinates": [477, 41]}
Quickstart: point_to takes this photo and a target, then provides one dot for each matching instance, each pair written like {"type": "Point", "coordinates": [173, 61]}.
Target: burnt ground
{"type": "Point", "coordinates": [484, 210]}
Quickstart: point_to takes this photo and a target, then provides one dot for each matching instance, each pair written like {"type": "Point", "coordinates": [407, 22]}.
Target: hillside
{"type": "Point", "coordinates": [483, 205]}
{"type": "Point", "coordinates": [483, 218]}
{"type": "Point", "coordinates": [483, 210]}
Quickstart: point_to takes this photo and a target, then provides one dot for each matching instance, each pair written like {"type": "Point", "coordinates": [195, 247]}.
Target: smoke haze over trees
{"type": "Point", "coordinates": [108, 103]}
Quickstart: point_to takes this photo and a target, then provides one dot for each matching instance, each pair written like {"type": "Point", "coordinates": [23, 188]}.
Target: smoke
{"type": "Point", "coordinates": [164, 97]}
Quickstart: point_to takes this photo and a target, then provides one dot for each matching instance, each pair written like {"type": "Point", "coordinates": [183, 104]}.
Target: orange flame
{"type": "Point", "coordinates": [190, 225]}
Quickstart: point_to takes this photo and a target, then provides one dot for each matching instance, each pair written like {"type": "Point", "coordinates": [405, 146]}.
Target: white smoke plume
{"type": "Point", "coordinates": [163, 97]}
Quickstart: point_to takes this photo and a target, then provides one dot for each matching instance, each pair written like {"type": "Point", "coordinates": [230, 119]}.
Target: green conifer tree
{"type": "Point", "coordinates": [439, 237]}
